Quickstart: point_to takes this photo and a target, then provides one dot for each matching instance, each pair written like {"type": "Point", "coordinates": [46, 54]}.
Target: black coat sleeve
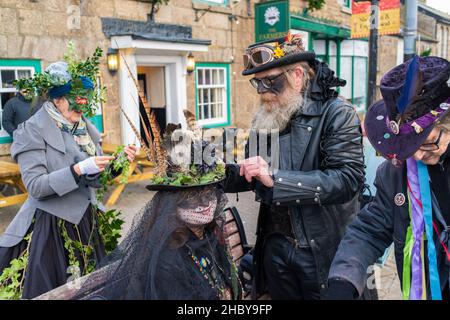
{"type": "Point", "coordinates": [367, 237]}
{"type": "Point", "coordinates": [341, 175]}
{"type": "Point", "coordinates": [234, 182]}
{"type": "Point", "coordinates": [8, 118]}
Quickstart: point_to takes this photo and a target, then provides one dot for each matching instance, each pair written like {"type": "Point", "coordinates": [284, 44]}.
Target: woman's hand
{"type": "Point", "coordinates": [131, 151]}
{"type": "Point", "coordinates": [92, 165]}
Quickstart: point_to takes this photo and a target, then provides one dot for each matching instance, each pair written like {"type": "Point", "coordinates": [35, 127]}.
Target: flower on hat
{"type": "Point", "coordinates": [288, 37]}
{"type": "Point", "coordinates": [278, 52]}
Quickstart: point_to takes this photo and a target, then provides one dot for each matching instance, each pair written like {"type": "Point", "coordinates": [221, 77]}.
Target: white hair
{"type": "Point", "coordinates": [279, 115]}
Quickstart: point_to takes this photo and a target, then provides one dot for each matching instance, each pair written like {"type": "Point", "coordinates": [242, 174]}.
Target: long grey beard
{"type": "Point", "coordinates": [279, 115]}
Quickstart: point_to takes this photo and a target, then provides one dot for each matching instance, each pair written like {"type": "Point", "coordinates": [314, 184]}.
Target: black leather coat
{"type": "Point", "coordinates": [320, 177]}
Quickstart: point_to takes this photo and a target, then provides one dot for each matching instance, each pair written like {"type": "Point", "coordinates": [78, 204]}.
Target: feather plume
{"type": "Point", "coordinates": [192, 124]}
{"type": "Point", "coordinates": [147, 135]}
{"type": "Point", "coordinates": [411, 88]}
{"type": "Point", "coordinates": [136, 132]}
{"type": "Point", "coordinates": [161, 163]}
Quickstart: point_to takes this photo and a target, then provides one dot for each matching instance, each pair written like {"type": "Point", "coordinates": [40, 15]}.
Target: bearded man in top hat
{"type": "Point", "coordinates": [411, 128]}
{"type": "Point", "coordinates": [307, 201]}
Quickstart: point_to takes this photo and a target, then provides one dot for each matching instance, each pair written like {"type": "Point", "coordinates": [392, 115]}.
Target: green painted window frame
{"type": "Point", "coordinates": [226, 66]}
{"type": "Point", "coordinates": [365, 81]}
{"type": "Point", "coordinates": [326, 58]}
{"type": "Point", "coordinates": [212, 3]}
{"type": "Point", "coordinates": [33, 63]}
{"type": "Point", "coordinates": [353, 78]}
{"type": "Point", "coordinates": [347, 3]}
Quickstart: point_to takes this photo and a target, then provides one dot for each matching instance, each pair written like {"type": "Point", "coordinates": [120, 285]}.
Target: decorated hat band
{"type": "Point", "coordinates": [275, 53]}
{"type": "Point", "coordinates": [420, 124]}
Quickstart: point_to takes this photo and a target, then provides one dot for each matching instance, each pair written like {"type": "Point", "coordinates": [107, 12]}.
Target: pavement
{"type": "Point", "coordinates": [135, 196]}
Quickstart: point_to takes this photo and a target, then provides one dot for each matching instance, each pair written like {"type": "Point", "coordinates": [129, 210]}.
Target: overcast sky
{"type": "Point", "coordinates": [443, 5]}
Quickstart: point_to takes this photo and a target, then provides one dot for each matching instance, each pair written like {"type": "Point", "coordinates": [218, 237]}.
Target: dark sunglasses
{"type": "Point", "coordinates": [267, 82]}
{"type": "Point", "coordinates": [433, 146]}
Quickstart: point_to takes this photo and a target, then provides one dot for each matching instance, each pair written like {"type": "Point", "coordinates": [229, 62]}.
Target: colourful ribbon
{"type": "Point", "coordinates": [424, 182]}
{"type": "Point", "coordinates": [406, 279]}
{"type": "Point", "coordinates": [417, 224]}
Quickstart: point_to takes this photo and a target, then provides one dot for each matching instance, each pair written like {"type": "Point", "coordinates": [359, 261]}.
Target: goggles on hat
{"type": "Point", "coordinates": [258, 56]}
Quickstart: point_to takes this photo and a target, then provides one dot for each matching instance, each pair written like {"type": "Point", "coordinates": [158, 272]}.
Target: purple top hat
{"type": "Point", "coordinates": [415, 97]}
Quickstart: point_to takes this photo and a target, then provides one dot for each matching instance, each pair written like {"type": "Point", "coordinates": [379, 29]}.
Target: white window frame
{"type": "Point", "coordinates": [215, 2]}
{"type": "Point", "coordinates": [224, 118]}
{"type": "Point", "coordinates": [3, 133]}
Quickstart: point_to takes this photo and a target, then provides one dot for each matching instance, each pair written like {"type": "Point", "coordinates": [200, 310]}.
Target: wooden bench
{"type": "Point", "coordinates": [139, 171]}
{"type": "Point", "coordinates": [10, 175]}
{"type": "Point", "coordinates": [235, 238]}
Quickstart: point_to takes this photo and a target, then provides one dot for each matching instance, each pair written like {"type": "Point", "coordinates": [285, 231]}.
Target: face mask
{"type": "Point", "coordinates": [78, 101]}
{"type": "Point", "coordinates": [81, 99]}
{"type": "Point", "coordinates": [198, 210]}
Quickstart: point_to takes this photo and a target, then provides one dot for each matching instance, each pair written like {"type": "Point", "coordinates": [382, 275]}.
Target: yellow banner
{"type": "Point", "coordinates": [388, 18]}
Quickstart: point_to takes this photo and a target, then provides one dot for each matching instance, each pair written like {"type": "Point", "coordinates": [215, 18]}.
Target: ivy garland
{"type": "Point", "coordinates": [120, 164]}
{"type": "Point", "coordinates": [81, 256]}
{"type": "Point", "coordinates": [12, 278]}
{"type": "Point", "coordinates": [109, 223]}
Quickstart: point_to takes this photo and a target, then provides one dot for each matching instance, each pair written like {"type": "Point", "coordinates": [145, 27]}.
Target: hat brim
{"type": "Point", "coordinates": [286, 60]}
{"type": "Point", "coordinates": [403, 146]}
{"type": "Point", "coordinates": [168, 187]}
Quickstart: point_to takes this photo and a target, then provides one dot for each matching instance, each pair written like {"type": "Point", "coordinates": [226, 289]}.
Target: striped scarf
{"type": "Point", "coordinates": [77, 130]}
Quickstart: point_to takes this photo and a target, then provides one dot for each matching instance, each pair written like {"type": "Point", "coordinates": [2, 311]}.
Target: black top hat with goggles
{"type": "Point", "coordinates": [275, 53]}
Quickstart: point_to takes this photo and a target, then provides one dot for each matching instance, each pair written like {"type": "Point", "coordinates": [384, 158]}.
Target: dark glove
{"type": "Point", "coordinates": [340, 289]}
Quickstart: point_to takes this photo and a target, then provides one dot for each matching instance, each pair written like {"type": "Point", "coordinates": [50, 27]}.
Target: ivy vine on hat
{"type": "Point", "coordinates": [74, 79]}
{"type": "Point", "coordinates": [191, 160]}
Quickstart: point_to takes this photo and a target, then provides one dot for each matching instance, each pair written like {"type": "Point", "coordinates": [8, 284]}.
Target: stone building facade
{"type": "Point", "coordinates": [34, 33]}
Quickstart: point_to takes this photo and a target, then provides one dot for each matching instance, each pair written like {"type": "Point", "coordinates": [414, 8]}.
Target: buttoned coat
{"type": "Point", "coordinates": [321, 173]}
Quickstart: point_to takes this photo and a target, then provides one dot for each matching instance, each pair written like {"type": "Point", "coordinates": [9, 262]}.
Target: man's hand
{"type": "Point", "coordinates": [257, 168]}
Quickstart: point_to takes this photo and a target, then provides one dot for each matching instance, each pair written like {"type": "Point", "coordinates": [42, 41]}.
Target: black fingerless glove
{"type": "Point", "coordinates": [340, 289]}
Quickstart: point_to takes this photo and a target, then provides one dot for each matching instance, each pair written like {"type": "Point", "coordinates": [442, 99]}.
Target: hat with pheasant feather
{"type": "Point", "coordinates": [191, 161]}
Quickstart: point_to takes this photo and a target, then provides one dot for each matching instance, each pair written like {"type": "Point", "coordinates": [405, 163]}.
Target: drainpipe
{"type": "Point", "coordinates": [373, 54]}
{"type": "Point", "coordinates": [410, 28]}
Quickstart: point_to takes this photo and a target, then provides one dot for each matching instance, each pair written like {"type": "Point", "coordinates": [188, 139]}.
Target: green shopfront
{"type": "Point", "coordinates": [347, 57]}
{"type": "Point", "coordinates": [331, 42]}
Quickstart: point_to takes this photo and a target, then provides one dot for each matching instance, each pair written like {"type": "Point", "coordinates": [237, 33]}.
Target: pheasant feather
{"type": "Point", "coordinates": [147, 135]}
{"type": "Point", "coordinates": [136, 132]}
{"type": "Point", "coordinates": [161, 164]}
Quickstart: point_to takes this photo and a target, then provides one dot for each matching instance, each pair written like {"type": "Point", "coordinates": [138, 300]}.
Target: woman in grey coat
{"type": "Point", "coordinates": [56, 233]}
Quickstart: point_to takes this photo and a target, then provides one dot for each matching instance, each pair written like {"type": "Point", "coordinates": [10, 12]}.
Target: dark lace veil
{"type": "Point", "coordinates": [152, 262]}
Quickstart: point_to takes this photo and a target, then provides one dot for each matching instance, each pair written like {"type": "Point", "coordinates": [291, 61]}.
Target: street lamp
{"type": "Point", "coordinates": [190, 63]}
{"type": "Point", "coordinates": [113, 60]}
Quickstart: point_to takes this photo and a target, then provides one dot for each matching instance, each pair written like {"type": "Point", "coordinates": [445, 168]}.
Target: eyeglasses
{"type": "Point", "coordinates": [433, 146]}
{"type": "Point", "coordinates": [259, 56]}
{"type": "Point", "coordinates": [267, 82]}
